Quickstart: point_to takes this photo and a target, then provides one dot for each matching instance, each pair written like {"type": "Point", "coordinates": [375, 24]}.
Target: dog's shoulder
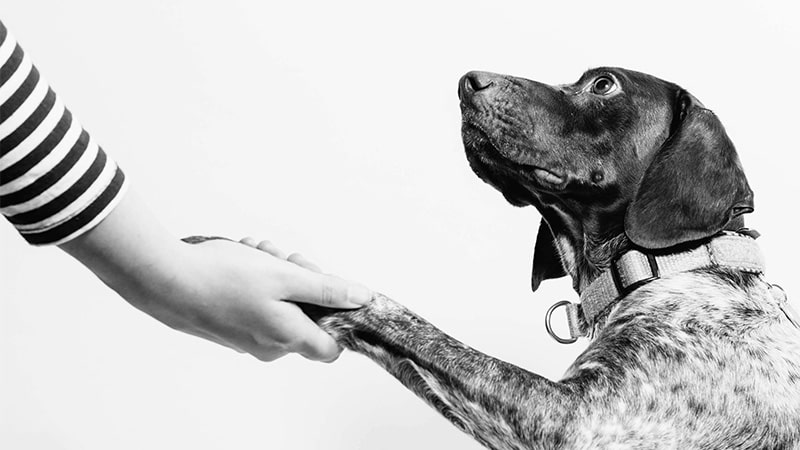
{"type": "Point", "coordinates": [708, 348]}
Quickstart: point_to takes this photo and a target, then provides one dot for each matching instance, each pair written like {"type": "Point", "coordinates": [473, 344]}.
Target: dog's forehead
{"type": "Point", "coordinates": [598, 71]}
{"type": "Point", "coordinates": [630, 78]}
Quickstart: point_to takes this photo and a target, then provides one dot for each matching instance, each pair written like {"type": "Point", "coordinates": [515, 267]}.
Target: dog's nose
{"type": "Point", "coordinates": [478, 81]}
{"type": "Point", "coordinates": [474, 82]}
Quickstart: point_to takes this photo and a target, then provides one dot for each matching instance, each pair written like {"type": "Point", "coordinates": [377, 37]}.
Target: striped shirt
{"type": "Point", "coordinates": [55, 181]}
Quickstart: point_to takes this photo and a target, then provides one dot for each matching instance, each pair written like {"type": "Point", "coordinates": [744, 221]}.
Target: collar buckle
{"type": "Point", "coordinates": [624, 290]}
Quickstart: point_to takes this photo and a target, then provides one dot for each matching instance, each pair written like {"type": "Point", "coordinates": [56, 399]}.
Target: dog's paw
{"type": "Point", "coordinates": [354, 328]}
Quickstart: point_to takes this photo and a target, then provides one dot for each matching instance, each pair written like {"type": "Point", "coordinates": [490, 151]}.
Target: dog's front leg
{"type": "Point", "coordinates": [499, 404]}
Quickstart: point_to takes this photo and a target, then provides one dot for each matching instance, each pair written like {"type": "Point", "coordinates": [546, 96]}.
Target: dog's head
{"type": "Point", "coordinates": [617, 157]}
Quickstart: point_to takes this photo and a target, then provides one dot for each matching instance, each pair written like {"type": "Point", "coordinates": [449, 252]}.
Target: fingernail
{"type": "Point", "coordinates": [359, 294]}
{"type": "Point", "coordinates": [332, 357]}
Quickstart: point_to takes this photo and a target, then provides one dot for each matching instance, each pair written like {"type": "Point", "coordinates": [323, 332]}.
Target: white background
{"type": "Point", "coordinates": [333, 129]}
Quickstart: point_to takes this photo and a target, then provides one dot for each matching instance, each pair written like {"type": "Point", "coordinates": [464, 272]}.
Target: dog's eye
{"type": "Point", "coordinates": [603, 85]}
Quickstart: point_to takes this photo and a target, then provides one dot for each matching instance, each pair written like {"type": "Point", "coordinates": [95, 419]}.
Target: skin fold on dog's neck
{"type": "Point", "coordinates": [585, 246]}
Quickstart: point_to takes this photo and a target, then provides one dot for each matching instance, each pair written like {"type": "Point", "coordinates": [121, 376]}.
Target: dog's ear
{"type": "Point", "coordinates": [546, 260]}
{"type": "Point", "coordinates": [694, 184]}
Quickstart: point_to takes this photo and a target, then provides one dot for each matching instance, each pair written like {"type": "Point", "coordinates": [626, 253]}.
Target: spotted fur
{"type": "Point", "coordinates": [704, 359]}
{"type": "Point", "coordinates": [699, 360]}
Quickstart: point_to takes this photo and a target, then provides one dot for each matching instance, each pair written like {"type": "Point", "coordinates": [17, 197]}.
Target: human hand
{"type": "Point", "coordinates": [226, 292]}
{"type": "Point", "coordinates": [243, 300]}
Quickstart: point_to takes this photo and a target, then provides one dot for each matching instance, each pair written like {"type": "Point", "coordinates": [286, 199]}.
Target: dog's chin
{"type": "Point", "coordinates": [485, 162]}
{"type": "Point", "coordinates": [518, 182]}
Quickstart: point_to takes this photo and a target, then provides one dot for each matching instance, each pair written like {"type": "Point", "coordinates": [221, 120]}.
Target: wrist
{"type": "Point", "coordinates": [131, 253]}
{"type": "Point", "coordinates": [160, 280]}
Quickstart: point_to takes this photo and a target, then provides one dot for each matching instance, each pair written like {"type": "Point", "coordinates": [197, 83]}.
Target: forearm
{"type": "Point", "coordinates": [56, 183]}
{"type": "Point", "coordinates": [132, 253]}
{"type": "Point", "coordinates": [58, 187]}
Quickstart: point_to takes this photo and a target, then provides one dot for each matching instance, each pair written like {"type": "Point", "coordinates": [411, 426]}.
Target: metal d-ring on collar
{"type": "Point", "coordinates": [783, 303]}
{"type": "Point", "coordinates": [549, 328]}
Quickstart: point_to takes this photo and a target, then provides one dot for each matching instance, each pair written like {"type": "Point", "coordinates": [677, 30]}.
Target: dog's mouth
{"type": "Point", "coordinates": [507, 168]}
{"type": "Point", "coordinates": [549, 177]}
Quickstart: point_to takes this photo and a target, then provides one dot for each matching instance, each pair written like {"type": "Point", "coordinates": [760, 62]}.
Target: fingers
{"type": "Point", "coordinates": [269, 355]}
{"type": "Point", "coordinates": [269, 247]}
{"type": "Point", "coordinates": [248, 241]}
{"type": "Point", "coordinates": [306, 286]}
{"type": "Point", "coordinates": [244, 308]}
{"type": "Point", "coordinates": [265, 246]}
{"type": "Point", "coordinates": [313, 343]}
{"type": "Point", "coordinates": [319, 346]}
{"type": "Point", "coordinates": [301, 261]}
{"type": "Point", "coordinates": [289, 330]}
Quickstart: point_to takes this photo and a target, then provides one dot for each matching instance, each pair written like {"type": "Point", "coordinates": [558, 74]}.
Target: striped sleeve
{"type": "Point", "coordinates": [56, 183]}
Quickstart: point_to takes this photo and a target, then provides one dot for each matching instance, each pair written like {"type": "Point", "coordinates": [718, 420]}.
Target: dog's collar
{"type": "Point", "coordinates": [636, 268]}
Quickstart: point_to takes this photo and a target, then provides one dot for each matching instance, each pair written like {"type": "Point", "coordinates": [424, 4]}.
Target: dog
{"type": "Point", "coordinates": [642, 197]}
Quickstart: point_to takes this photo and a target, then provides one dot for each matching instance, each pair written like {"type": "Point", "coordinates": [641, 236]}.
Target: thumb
{"type": "Point", "coordinates": [325, 290]}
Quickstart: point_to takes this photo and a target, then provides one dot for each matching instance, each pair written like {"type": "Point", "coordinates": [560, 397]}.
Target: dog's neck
{"type": "Point", "coordinates": [587, 248]}
{"type": "Point", "coordinates": [598, 253]}
{"type": "Point", "coordinates": [594, 257]}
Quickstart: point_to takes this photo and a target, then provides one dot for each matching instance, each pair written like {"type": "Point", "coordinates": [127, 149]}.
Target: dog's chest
{"type": "Point", "coordinates": [696, 361]}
